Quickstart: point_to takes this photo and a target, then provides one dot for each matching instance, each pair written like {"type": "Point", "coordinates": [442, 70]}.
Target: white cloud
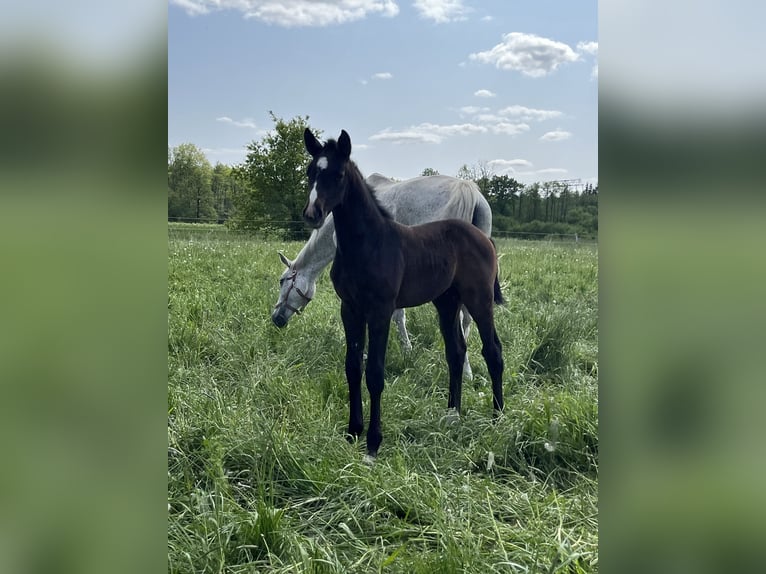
{"type": "Point", "coordinates": [509, 165]}
{"type": "Point", "coordinates": [529, 114]}
{"type": "Point", "coordinates": [509, 129]}
{"type": "Point", "coordinates": [245, 123]}
{"type": "Point", "coordinates": [556, 136]}
{"type": "Point", "coordinates": [531, 55]}
{"type": "Point", "coordinates": [428, 133]}
{"type": "Point", "coordinates": [523, 170]}
{"type": "Point", "coordinates": [297, 12]}
{"type": "Point", "coordinates": [441, 11]}
{"type": "Point", "coordinates": [453, 129]}
{"type": "Point", "coordinates": [488, 118]}
{"type": "Point", "coordinates": [472, 110]}
{"type": "Point", "coordinates": [192, 7]}
{"type": "Point", "coordinates": [412, 135]}
{"type": "Point", "coordinates": [437, 133]}
{"type": "Point", "coordinates": [519, 114]}
{"type": "Point", "coordinates": [382, 76]}
{"type": "Point", "coordinates": [484, 94]}
{"type": "Point", "coordinates": [588, 47]}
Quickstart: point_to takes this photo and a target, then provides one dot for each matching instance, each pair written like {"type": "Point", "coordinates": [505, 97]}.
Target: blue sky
{"type": "Point", "coordinates": [415, 83]}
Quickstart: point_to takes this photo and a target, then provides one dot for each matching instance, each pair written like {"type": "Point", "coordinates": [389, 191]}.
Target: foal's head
{"type": "Point", "coordinates": [327, 176]}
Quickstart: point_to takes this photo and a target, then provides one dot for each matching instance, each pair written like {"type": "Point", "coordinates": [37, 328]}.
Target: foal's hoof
{"type": "Point", "coordinates": [352, 438]}
{"type": "Point", "coordinates": [451, 418]}
{"type": "Point", "coordinates": [369, 459]}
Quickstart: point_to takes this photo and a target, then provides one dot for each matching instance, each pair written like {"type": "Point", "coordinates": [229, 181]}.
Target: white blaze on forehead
{"type": "Point", "coordinates": [321, 164]}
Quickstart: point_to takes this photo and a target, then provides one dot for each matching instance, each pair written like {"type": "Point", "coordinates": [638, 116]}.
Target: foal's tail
{"type": "Point", "coordinates": [499, 300]}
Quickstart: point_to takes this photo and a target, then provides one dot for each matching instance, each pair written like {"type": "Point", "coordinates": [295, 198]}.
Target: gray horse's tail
{"type": "Point", "coordinates": [482, 213]}
{"type": "Point", "coordinates": [499, 300]}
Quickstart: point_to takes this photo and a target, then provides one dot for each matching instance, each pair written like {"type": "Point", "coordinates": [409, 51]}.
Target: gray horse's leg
{"type": "Point", "coordinates": [465, 321]}
{"type": "Point", "coordinates": [399, 319]}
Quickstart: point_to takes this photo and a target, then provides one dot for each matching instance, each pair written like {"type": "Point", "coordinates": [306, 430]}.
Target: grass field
{"type": "Point", "coordinates": [261, 478]}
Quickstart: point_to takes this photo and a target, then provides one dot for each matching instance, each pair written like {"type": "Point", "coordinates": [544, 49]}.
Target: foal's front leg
{"type": "Point", "coordinates": [354, 327]}
{"type": "Point", "coordinates": [376, 362]}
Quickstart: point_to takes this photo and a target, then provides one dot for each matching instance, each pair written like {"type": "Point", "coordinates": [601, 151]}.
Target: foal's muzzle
{"type": "Point", "coordinates": [313, 216]}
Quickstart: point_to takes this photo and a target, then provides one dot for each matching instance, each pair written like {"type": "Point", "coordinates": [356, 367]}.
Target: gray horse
{"type": "Point", "coordinates": [410, 202]}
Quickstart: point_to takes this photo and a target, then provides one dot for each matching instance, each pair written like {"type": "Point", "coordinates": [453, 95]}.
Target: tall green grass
{"type": "Point", "coordinates": [261, 478]}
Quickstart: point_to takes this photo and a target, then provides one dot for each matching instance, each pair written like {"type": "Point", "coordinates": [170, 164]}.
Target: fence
{"type": "Point", "coordinates": [297, 231]}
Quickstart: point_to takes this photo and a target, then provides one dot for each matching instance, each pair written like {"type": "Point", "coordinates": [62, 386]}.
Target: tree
{"type": "Point", "coordinates": [501, 194]}
{"type": "Point", "coordinates": [548, 192]}
{"type": "Point", "coordinates": [274, 179]}
{"type": "Point", "coordinates": [465, 172]}
{"type": "Point", "coordinates": [222, 187]}
{"type": "Point", "coordinates": [429, 171]}
{"type": "Point", "coordinates": [477, 173]}
{"type": "Point", "coordinates": [533, 205]}
{"type": "Point", "coordinates": [190, 196]}
{"type": "Point", "coordinates": [481, 174]}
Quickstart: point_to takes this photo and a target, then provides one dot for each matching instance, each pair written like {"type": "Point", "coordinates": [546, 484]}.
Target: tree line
{"type": "Point", "coordinates": [267, 192]}
{"type": "Point", "coordinates": [196, 190]}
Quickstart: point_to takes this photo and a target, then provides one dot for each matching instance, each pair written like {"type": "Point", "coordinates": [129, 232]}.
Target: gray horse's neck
{"type": "Point", "coordinates": [318, 252]}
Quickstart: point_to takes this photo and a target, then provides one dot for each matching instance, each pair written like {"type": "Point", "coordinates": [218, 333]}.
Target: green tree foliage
{"type": "Point", "coordinates": [273, 179]}
{"type": "Point", "coordinates": [268, 191]}
{"type": "Point", "coordinates": [538, 209]}
{"type": "Point", "coordinates": [190, 197]}
{"type": "Point", "coordinates": [502, 192]}
{"type": "Point", "coordinates": [223, 187]}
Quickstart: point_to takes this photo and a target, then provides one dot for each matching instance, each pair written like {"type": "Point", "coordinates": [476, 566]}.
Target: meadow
{"type": "Point", "coordinates": [262, 479]}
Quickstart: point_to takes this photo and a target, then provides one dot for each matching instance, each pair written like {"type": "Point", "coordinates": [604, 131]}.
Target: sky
{"type": "Point", "coordinates": [508, 85]}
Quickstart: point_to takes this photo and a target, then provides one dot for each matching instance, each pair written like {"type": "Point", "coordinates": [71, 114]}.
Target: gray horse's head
{"type": "Point", "coordinates": [295, 292]}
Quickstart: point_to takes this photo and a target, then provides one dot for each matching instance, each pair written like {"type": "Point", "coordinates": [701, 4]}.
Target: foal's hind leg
{"type": "Point", "coordinates": [492, 350]}
{"type": "Point", "coordinates": [448, 306]}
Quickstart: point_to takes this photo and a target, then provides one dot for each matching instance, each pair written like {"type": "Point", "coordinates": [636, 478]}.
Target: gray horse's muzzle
{"type": "Point", "coordinates": [279, 319]}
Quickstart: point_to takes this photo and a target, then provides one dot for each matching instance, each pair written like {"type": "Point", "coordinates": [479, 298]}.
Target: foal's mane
{"type": "Point", "coordinates": [356, 180]}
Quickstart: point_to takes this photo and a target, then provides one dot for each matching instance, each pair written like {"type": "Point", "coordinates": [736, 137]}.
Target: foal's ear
{"type": "Point", "coordinates": [284, 259]}
{"type": "Point", "coordinates": [344, 145]}
{"type": "Point", "coordinates": [312, 145]}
